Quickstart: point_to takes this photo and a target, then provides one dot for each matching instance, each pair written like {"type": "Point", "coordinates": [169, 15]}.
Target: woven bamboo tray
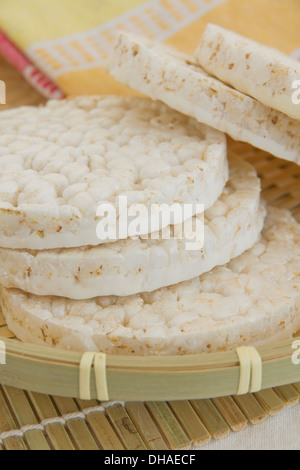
{"type": "Point", "coordinates": [149, 422]}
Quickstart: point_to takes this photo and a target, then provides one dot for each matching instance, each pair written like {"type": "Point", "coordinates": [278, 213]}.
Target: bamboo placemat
{"type": "Point", "coordinates": [30, 421]}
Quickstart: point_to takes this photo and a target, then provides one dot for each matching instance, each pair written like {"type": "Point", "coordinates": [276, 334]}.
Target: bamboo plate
{"type": "Point", "coordinates": [44, 370]}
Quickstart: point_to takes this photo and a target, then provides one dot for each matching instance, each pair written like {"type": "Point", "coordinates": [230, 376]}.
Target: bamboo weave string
{"type": "Point", "coordinates": [87, 361]}
{"type": "Point", "coordinates": [251, 370]}
{"type": "Point", "coordinates": [58, 420]}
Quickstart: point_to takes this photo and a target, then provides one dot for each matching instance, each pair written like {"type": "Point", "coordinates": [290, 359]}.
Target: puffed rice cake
{"type": "Point", "coordinates": [58, 163]}
{"type": "Point", "coordinates": [130, 266]}
{"type": "Point", "coordinates": [165, 74]}
{"type": "Point", "coordinates": [254, 299]}
{"type": "Point", "coordinates": [259, 71]}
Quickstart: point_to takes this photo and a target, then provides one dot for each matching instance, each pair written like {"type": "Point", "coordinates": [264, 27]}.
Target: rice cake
{"type": "Point", "coordinates": [165, 74]}
{"type": "Point", "coordinates": [259, 71]}
{"type": "Point", "coordinates": [58, 163]}
{"type": "Point", "coordinates": [131, 266]}
{"type": "Point", "coordinates": [252, 300]}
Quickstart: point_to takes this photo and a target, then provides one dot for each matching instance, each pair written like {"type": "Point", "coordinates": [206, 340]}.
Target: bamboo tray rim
{"type": "Point", "coordinates": [204, 361]}
{"type": "Point", "coordinates": [143, 378]}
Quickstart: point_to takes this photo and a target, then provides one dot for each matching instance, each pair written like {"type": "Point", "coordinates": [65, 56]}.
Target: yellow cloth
{"type": "Point", "coordinates": [70, 39]}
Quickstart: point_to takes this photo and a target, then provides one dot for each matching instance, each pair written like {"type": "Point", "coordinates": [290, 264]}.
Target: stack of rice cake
{"type": "Point", "coordinates": [65, 287]}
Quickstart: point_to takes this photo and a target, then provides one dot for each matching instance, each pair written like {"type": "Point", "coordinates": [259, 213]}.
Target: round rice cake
{"type": "Point", "coordinates": [254, 299]}
{"type": "Point", "coordinates": [165, 74]}
{"type": "Point", "coordinates": [58, 163]}
{"type": "Point", "coordinates": [131, 266]}
{"type": "Point", "coordinates": [259, 71]}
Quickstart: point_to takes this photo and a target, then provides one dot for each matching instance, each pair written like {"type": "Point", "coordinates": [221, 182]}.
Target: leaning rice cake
{"type": "Point", "coordinates": [166, 75]}
{"type": "Point", "coordinates": [259, 71]}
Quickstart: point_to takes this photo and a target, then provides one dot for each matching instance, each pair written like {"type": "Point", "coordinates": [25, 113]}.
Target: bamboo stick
{"type": "Point", "coordinates": [25, 415]}
{"type": "Point", "coordinates": [288, 394]}
{"type": "Point", "coordinates": [169, 426]}
{"type": "Point", "coordinates": [77, 427]}
{"type": "Point", "coordinates": [125, 428]}
{"type": "Point", "coordinates": [231, 413]}
{"type": "Point", "coordinates": [145, 426]}
{"type": "Point", "coordinates": [7, 423]}
{"type": "Point", "coordinates": [15, 443]}
{"type": "Point", "coordinates": [297, 387]}
{"type": "Point", "coordinates": [190, 422]}
{"type": "Point", "coordinates": [101, 426]}
{"type": "Point", "coordinates": [56, 432]}
{"type": "Point", "coordinates": [211, 418]}
{"type": "Point", "coordinates": [270, 401]}
{"type": "Point", "coordinates": [251, 408]}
